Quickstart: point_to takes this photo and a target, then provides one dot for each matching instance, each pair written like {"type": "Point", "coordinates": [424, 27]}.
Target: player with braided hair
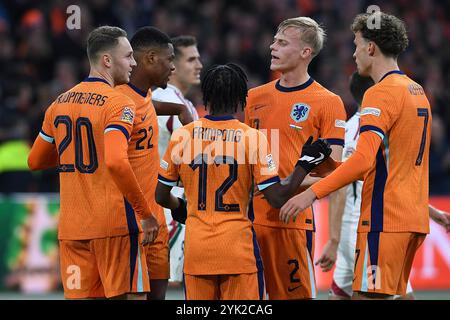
{"type": "Point", "coordinates": [218, 159]}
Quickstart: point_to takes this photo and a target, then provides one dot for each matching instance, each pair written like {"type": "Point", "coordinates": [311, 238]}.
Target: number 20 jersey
{"type": "Point", "coordinates": [92, 206]}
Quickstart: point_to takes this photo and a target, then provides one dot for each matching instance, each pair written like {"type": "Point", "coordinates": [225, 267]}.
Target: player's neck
{"type": "Point", "coordinates": [184, 88]}
{"type": "Point", "coordinates": [294, 78]}
{"type": "Point", "coordinates": [102, 75]}
{"type": "Point", "coordinates": [142, 83]}
{"type": "Point", "coordinates": [381, 67]}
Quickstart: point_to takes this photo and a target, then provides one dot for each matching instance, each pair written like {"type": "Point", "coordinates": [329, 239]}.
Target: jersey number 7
{"type": "Point", "coordinates": [422, 112]}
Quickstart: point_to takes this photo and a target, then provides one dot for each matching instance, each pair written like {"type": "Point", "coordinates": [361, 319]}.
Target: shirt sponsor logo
{"type": "Point", "coordinates": [127, 115]}
{"type": "Point", "coordinates": [371, 111]}
{"type": "Point", "coordinates": [270, 163]}
{"type": "Point", "coordinates": [300, 112]}
{"type": "Point", "coordinates": [164, 165]}
{"type": "Point", "coordinates": [339, 124]}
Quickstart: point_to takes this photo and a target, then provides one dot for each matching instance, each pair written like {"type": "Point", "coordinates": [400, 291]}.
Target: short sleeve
{"type": "Point", "coordinates": [166, 95]}
{"type": "Point", "coordinates": [120, 115]}
{"type": "Point", "coordinates": [46, 132]}
{"type": "Point", "coordinates": [377, 111]}
{"type": "Point", "coordinates": [332, 126]}
{"type": "Point", "coordinates": [265, 171]}
{"type": "Point", "coordinates": [169, 168]}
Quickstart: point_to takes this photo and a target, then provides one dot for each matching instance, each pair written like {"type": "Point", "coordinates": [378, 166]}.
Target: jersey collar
{"type": "Point", "coordinates": [391, 72]}
{"type": "Point", "coordinates": [95, 79]}
{"type": "Point", "coordinates": [219, 118]}
{"type": "Point", "coordinates": [137, 90]}
{"type": "Point", "coordinates": [296, 88]}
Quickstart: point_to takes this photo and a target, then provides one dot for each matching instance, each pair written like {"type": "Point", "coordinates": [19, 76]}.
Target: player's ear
{"type": "Point", "coordinates": [107, 60]}
{"type": "Point", "coordinates": [306, 52]}
{"type": "Point", "coordinates": [371, 48]}
{"type": "Point", "coordinates": [151, 57]}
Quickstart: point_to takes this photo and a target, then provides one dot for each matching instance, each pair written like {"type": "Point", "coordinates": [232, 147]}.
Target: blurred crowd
{"type": "Point", "coordinates": [40, 58]}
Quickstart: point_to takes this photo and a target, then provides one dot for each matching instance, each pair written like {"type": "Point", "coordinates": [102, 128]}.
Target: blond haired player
{"type": "Point", "coordinates": [392, 158]}
{"type": "Point", "coordinates": [289, 110]}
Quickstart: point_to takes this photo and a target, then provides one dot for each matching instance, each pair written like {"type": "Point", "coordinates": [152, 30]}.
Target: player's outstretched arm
{"type": "Point", "coordinates": [116, 160]}
{"type": "Point", "coordinates": [353, 169]}
{"type": "Point", "coordinates": [173, 109]}
{"type": "Point", "coordinates": [167, 200]}
{"type": "Point", "coordinates": [43, 155]}
{"type": "Point", "coordinates": [312, 155]}
{"type": "Point", "coordinates": [440, 217]}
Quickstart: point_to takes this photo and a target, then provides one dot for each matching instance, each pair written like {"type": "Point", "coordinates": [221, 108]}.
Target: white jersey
{"type": "Point", "coordinates": [343, 273]}
{"type": "Point", "coordinates": [353, 199]}
{"type": "Point", "coordinates": [166, 125]}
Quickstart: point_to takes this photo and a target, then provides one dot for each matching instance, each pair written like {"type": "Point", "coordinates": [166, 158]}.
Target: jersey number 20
{"type": "Point", "coordinates": [79, 164]}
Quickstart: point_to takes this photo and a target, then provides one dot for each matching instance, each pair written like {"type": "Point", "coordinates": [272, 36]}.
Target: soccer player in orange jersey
{"type": "Point", "coordinates": [85, 133]}
{"type": "Point", "coordinates": [291, 109]}
{"type": "Point", "coordinates": [218, 159]}
{"type": "Point", "coordinates": [392, 158]}
{"type": "Point", "coordinates": [154, 55]}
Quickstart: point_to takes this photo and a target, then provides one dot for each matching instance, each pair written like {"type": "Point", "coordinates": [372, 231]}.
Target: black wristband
{"type": "Point", "coordinates": [180, 214]}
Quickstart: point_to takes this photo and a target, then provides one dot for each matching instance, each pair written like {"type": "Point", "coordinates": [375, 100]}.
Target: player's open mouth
{"type": "Point", "coordinates": [275, 57]}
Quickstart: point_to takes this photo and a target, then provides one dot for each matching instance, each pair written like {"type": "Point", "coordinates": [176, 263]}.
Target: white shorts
{"type": "Point", "coordinates": [176, 241]}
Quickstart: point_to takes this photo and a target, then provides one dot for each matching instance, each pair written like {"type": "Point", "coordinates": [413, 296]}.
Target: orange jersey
{"type": "Point", "coordinates": [395, 190]}
{"type": "Point", "coordinates": [217, 160]}
{"type": "Point", "coordinates": [143, 146]}
{"type": "Point", "coordinates": [392, 154]}
{"type": "Point", "coordinates": [288, 116]}
{"type": "Point", "coordinates": [92, 206]}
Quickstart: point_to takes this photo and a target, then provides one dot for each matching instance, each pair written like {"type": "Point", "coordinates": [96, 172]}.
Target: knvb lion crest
{"type": "Point", "coordinates": [300, 112]}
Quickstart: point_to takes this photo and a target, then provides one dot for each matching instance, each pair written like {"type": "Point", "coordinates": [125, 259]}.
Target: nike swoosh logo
{"type": "Point", "coordinates": [319, 159]}
{"type": "Point", "coordinates": [143, 118]}
{"type": "Point", "coordinates": [294, 288]}
{"type": "Point", "coordinates": [260, 106]}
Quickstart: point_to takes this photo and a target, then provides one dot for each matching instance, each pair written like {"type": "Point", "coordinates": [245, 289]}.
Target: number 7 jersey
{"type": "Point", "coordinates": [395, 190]}
{"type": "Point", "coordinates": [92, 206]}
{"type": "Point", "coordinates": [218, 159]}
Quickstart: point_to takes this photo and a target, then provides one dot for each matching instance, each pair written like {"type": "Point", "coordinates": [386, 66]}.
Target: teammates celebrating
{"type": "Point", "coordinates": [102, 135]}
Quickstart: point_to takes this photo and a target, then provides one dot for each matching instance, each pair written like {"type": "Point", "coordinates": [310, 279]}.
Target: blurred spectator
{"type": "Point", "coordinates": [40, 57]}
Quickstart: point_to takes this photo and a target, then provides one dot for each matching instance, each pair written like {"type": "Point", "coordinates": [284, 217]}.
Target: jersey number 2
{"type": "Point", "coordinates": [201, 162]}
{"type": "Point", "coordinates": [79, 164]}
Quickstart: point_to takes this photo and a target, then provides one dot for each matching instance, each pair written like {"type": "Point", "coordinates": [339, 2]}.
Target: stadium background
{"type": "Point", "coordinates": [40, 58]}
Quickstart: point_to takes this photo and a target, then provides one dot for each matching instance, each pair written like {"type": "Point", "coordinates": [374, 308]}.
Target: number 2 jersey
{"type": "Point", "coordinates": [217, 159]}
{"type": "Point", "coordinates": [92, 206]}
{"type": "Point", "coordinates": [288, 116]}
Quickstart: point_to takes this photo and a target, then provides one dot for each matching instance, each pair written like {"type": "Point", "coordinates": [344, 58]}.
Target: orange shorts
{"type": "Point", "coordinates": [287, 256]}
{"type": "Point", "coordinates": [246, 286]}
{"type": "Point", "coordinates": [383, 261]}
{"type": "Point", "coordinates": [157, 255]}
{"type": "Point", "coordinates": [106, 267]}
